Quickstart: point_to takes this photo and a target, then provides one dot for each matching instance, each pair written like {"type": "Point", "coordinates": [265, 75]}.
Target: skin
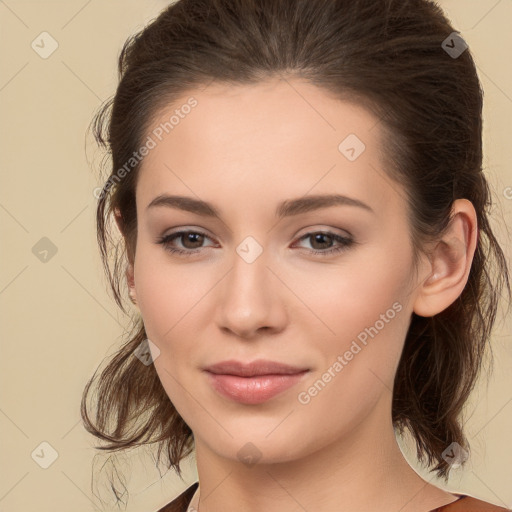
{"type": "Point", "coordinates": [245, 149]}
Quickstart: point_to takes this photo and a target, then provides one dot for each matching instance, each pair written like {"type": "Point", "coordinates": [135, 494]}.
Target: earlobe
{"type": "Point", "coordinates": [119, 220]}
{"type": "Point", "coordinates": [131, 283]}
{"type": "Point", "coordinates": [450, 262]}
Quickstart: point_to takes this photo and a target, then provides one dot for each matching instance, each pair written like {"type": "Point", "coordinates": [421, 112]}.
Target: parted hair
{"type": "Point", "coordinates": [386, 55]}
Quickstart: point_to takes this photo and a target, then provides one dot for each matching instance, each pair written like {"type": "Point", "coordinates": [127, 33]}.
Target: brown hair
{"type": "Point", "coordinates": [385, 54]}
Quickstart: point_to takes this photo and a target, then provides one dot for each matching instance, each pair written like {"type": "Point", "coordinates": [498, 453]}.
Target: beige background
{"type": "Point", "coordinates": [58, 322]}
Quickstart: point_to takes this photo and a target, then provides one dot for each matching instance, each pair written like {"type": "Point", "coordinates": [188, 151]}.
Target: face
{"type": "Point", "coordinates": [279, 273]}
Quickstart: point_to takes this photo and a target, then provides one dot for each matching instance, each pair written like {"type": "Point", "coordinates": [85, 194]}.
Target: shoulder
{"type": "Point", "coordinates": [471, 504]}
{"type": "Point", "coordinates": [181, 502]}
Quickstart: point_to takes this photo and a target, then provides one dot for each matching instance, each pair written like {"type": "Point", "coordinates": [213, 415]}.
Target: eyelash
{"type": "Point", "coordinates": [344, 241]}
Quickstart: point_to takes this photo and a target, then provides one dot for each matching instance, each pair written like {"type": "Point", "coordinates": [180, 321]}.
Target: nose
{"type": "Point", "coordinates": [252, 300]}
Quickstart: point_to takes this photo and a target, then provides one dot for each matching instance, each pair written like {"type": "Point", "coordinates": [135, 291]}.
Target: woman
{"type": "Point", "coordinates": [300, 194]}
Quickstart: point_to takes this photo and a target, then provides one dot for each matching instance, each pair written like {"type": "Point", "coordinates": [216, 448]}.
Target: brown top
{"type": "Point", "coordinates": [181, 503]}
{"type": "Point", "coordinates": [463, 504]}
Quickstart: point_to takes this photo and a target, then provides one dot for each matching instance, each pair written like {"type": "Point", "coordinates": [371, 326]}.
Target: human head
{"type": "Point", "coordinates": [386, 56]}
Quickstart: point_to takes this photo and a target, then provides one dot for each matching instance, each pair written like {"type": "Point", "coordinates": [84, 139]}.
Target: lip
{"type": "Point", "coordinates": [255, 382]}
{"type": "Point", "coordinates": [255, 368]}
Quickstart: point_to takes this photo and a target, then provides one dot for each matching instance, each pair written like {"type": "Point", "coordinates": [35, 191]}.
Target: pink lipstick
{"type": "Point", "coordinates": [255, 382]}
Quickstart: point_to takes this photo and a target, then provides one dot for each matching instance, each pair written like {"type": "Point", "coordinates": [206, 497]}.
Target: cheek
{"type": "Point", "coordinates": [352, 296]}
{"type": "Point", "coordinates": [166, 296]}
{"type": "Point", "coordinates": [165, 290]}
{"type": "Point", "coordinates": [363, 309]}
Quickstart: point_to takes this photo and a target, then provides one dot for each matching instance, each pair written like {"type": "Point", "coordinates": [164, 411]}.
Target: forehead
{"type": "Point", "coordinates": [282, 137]}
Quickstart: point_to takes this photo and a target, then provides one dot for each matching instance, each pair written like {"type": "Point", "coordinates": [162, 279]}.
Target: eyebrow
{"type": "Point", "coordinates": [285, 209]}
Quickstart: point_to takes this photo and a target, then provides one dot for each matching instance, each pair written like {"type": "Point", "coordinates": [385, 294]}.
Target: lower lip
{"type": "Point", "coordinates": [253, 390]}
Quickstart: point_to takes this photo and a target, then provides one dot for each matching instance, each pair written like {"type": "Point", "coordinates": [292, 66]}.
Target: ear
{"type": "Point", "coordinates": [450, 262]}
{"type": "Point", "coordinates": [119, 220]}
{"type": "Point", "coordinates": [131, 282]}
{"type": "Point", "coordinates": [129, 273]}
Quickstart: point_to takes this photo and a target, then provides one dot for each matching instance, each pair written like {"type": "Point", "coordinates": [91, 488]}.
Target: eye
{"type": "Point", "coordinates": [191, 240]}
{"type": "Point", "coordinates": [324, 239]}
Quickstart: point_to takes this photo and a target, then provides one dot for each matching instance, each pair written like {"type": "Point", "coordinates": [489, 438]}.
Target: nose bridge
{"type": "Point", "coordinates": [250, 295]}
{"type": "Point", "coordinates": [249, 280]}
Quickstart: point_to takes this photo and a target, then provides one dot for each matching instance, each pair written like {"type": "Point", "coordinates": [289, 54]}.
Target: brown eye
{"type": "Point", "coordinates": [194, 239]}
{"type": "Point", "coordinates": [322, 242]}
{"type": "Point", "coordinates": [191, 242]}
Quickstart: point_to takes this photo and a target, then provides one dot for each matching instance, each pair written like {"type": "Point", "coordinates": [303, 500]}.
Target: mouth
{"type": "Point", "coordinates": [253, 383]}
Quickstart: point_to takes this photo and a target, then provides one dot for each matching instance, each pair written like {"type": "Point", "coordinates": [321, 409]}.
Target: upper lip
{"type": "Point", "coordinates": [258, 367]}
